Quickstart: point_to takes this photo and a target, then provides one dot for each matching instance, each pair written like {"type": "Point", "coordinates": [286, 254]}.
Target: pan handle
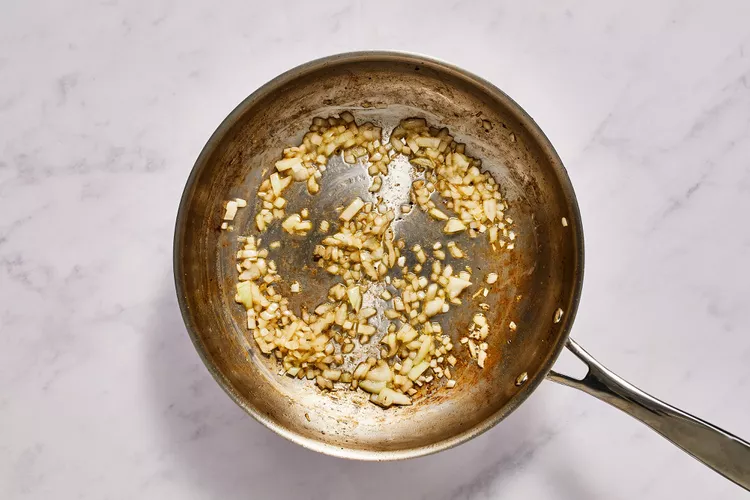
{"type": "Point", "coordinates": [723, 452]}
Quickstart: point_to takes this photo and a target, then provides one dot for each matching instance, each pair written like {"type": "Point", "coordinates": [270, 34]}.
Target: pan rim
{"type": "Point", "coordinates": [372, 56]}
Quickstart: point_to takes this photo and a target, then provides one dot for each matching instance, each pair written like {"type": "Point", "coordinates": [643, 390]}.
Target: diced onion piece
{"type": "Point", "coordinates": [456, 285]}
{"type": "Point", "coordinates": [420, 255]}
{"type": "Point", "coordinates": [372, 386]}
{"type": "Point", "coordinates": [424, 349]}
{"type": "Point", "coordinates": [418, 370]}
{"type": "Point", "coordinates": [367, 312]}
{"type": "Point", "coordinates": [380, 373]}
{"type": "Point", "coordinates": [350, 211]}
{"type": "Point", "coordinates": [434, 306]}
{"type": "Point", "coordinates": [355, 297]}
{"type": "Point", "coordinates": [299, 172]}
{"type": "Point", "coordinates": [260, 222]}
{"type": "Point", "coordinates": [558, 315]}
{"type": "Point", "coordinates": [337, 291]}
{"type": "Point", "coordinates": [244, 294]}
{"type": "Point", "coordinates": [333, 375]}
{"type": "Point", "coordinates": [291, 222]}
{"type": "Point", "coordinates": [278, 183]}
{"type": "Point", "coordinates": [365, 329]}
{"type": "Point", "coordinates": [479, 319]}
{"type": "Point", "coordinates": [455, 251]}
{"type": "Point", "coordinates": [360, 371]}
{"type": "Point", "coordinates": [231, 210]}
{"type": "Point", "coordinates": [391, 314]}
{"type": "Point", "coordinates": [453, 226]}
{"type": "Point", "coordinates": [377, 182]}
{"type": "Point", "coordinates": [340, 315]}
{"type": "Point", "coordinates": [312, 185]}
{"type": "Point", "coordinates": [490, 209]}
{"type": "Point", "coordinates": [428, 142]}
{"type": "Point", "coordinates": [481, 356]}
{"type": "Point", "coordinates": [491, 278]}
{"type": "Point", "coordinates": [390, 397]}
{"type": "Point", "coordinates": [412, 142]}
{"type": "Point", "coordinates": [288, 163]}
{"type": "Point", "coordinates": [406, 333]}
{"type": "Point", "coordinates": [493, 234]}
{"type": "Point", "coordinates": [437, 214]}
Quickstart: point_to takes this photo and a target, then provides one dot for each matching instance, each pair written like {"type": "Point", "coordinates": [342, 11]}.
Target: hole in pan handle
{"type": "Point", "coordinates": [724, 452]}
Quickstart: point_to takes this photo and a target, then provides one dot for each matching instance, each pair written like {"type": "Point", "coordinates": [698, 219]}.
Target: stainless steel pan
{"type": "Point", "coordinates": [542, 274]}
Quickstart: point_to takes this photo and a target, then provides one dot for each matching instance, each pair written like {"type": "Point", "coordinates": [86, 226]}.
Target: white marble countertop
{"type": "Point", "coordinates": [104, 107]}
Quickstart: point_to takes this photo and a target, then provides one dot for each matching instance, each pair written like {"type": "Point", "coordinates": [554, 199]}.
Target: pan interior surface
{"type": "Point", "coordinates": [543, 272]}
